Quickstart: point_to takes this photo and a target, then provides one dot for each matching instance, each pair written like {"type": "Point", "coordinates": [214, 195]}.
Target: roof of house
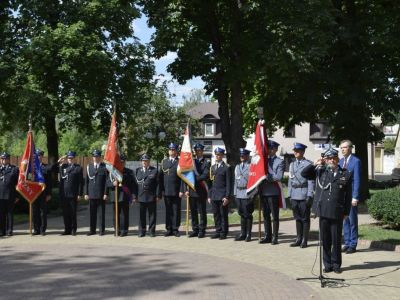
{"type": "Point", "coordinates": [203, 109]}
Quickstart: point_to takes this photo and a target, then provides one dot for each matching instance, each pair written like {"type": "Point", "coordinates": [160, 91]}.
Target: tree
{"type": "Point", "coordinates": [74, 59]}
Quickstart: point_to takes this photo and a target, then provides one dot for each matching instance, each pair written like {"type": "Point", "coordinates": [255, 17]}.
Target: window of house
{"type": "Point", "coordinates": [208, 129]}
{"type": "Point", "coordinates": [319, 130]}
{"type": "Point", "coordinates": [291, 132]}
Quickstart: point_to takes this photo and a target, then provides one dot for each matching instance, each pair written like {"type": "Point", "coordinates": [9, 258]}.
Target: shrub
{"type": "Point", "coordinates": [385, 206]}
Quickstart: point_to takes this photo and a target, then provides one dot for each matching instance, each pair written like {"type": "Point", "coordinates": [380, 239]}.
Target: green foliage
{"type": "Point", "coordinates": [81, 142]}
{"type": "Point", "coordinates": [390, 145]}
{"type": "Point", "coordinates": [385, 206]}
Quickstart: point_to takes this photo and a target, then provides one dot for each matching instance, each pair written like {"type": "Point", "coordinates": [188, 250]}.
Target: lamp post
{"type": "Point", "coordinates": [158, 137]}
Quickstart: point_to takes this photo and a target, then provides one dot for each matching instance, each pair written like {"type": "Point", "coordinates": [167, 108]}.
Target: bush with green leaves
{"type": "Point", "coordinates": [384, 206]}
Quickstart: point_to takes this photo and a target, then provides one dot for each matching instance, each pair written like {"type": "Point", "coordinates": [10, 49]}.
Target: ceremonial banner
{"type": "Point", "coordinates": [186, 167]}
{"type": "Point", "coordinates": [111, 156]}
{"type": "Point", "coordinates": [259, 161]}
{"type": "Point", "coordinates": [30, 180]}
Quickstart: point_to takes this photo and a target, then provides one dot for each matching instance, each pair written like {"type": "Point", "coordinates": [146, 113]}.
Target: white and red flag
{"type": "Point", "coordinates": [111, 157]}
{"type": "Point", "coordinates": [186, 167]}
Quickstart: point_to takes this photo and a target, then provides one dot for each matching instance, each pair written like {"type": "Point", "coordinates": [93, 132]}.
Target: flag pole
{"type": "Point", "coordinates": [116, 210]}
{"type": "Point", "coordinates": [187, 211]}
{"type": "Point", "coordinates": [259, 218]}
{"type": "Point", "coordinates": [30, 218]}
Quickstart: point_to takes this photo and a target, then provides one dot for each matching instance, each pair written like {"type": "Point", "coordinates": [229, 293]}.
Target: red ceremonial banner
{"type": "Point", "coordinates": [111, 156]}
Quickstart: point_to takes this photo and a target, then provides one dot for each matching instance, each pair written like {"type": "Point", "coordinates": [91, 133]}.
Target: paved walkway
{"type": "Point", "coordinates": [96, 267]}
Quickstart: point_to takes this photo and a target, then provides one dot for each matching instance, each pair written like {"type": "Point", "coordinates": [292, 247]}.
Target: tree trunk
{"type": "Point", "coordinates": [361, 145]}
{"type": "Point", "coordinates": [52, 139]}
{"type": "Point", "coordinates": [222, 96]}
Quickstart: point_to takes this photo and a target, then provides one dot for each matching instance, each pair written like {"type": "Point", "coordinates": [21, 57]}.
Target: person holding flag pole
{"type": "Point", "coordinates": [187, 169]}
{"type": "Point", "coordinates": [113, 162]}
{"type": "Point", "coordinates": [31, 182]}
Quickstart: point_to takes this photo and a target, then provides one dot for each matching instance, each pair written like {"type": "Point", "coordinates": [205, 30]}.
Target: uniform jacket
{"type": "Point", "coordinates": [95, 181]}
{"type": "Point", "coordinates": [8, 181]}
{"type": "Point", "coordinates": [240, 180]}
{"type": "Point", "coordinates": [46, 171]}
{"type": "Point", "coordinates": [147, 182]}
{"type": "Point", "coordinates": [169, 183]}
{"type": "Point", "coordinates": [333, 192]}
{"type": "Point", "coordinates": [201, 179]}
{"type": "Point", "coordinates": [299, 188]}
{"type": "Point", "coordinates": [276, 168]}
{"type": "Point", "coordinates": [127, 189]}
{"type": "Point", "coordinates": [354, 166]}
{"type": "Point", "coordinates": [71, 180]}
{"type": "Point", "coordinates": [221, 182]}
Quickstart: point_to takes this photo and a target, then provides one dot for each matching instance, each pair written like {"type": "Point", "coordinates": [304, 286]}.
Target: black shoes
{"type": "Point", "coordinates": [91, 233]}
{"type": "Point", "coordinates": [215, 236]}
{"type": "Point", "coordinates": [337, 270]}
{"type": "Point", "coordinates": [152, 234]}
{"type": "Point", "coordinates": [222, 237]}
{"type": "Point", "coordinates": [328, 270]}
{"type": "Point", "coordinates": [201, 235]}
{"type": "Point", "coordinates": [73, 233]}
{"type": "Point", "coordinates": [248, 238]}
{"type": "Point", "coordinates": [36, 233]}
{"type": "Point", "coordinates": [66, 233]}
{"type": "Point", "coordinates": [168, 233]}
{"type": "Point", "coordinates": [350, 250]}
{"type": "Point", "coordinates": [101, 233]}
{"type": "Point", "coordinates": [177, 234]}
{"type": "Point", "coordinates": [193, 234]}
{"type": "Point", "coordinates": [142, 234]}
{"type": "Point", "coordinates": [124, 233]}
{"type": "Point", "coordinates": [344, 248]}
{"type": "Point", "coordinates": [297, 243]}
{"type": "Point", "coordinates": [265, 240]}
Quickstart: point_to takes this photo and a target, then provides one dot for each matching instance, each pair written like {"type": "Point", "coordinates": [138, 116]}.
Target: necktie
{"type": "Point", "coordinates": [345, 163]}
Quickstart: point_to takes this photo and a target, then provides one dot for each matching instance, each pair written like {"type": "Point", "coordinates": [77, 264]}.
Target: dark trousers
{"type": "Point", "coordinates": [301, 211]}
{"type": "Point", "coordinates": [245, 208]}
{"type": "Point", "coordinates": [123, 216]}
{"type": "Point", "coordinates": [172, 213]}
{"type": "Point", "coordinates": [97, 211]}
{"type": "Point", "coordinates": [151, 208]}
{"type": "Point", "coordinates": [198, 205]}
{"type": "Point", "coordinates": [6, 216]}
{"type": "Point", "coordinates": [69, 214]}
{"type": "Point", "coordinates": [331, 235]}
{"type": "Point", "coordinates": [270, 206]}
{"type": "Point", "coordinates": [220, 216]}
{"type": "Point", "coordinates": [39, 210]}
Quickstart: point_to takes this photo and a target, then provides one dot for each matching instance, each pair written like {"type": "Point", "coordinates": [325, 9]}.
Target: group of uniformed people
{"type": "Point", "coordinates": [213, 184]}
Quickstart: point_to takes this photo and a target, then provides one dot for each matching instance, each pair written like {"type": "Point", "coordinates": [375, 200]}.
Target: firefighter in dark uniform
{"type": "Point", "coordinates": [39, 207]}
{"type": "Point", "coordinates": [300, 192]}
{"type": "Point", "coordinates": [71, 186]}
{"type": "Point", "coordinates": [332, 202]}
{"type": "Point", "coordinates": [219, 193]}
{"type": "Point", "coordinates": [8, 196]}
{"type": "Point", "coordinates": [126, 191]}
{"type": "Point", "coordinates": [168, 187]}
{"type": "Point", "coordinates": [146, 195]}
{"type": "Point", "coordinates": [198, 198]}
{"type": "Point", "coordinates": [244, 203]}
{"type": "Point", "coordinates": [95, 192]}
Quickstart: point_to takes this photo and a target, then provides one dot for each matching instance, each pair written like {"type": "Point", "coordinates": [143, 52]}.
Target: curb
{"type": "Point", "coordinates": [380, 245]}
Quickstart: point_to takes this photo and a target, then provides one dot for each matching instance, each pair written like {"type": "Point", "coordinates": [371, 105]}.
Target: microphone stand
{"type": "Point", "coordinates": [325, 281]}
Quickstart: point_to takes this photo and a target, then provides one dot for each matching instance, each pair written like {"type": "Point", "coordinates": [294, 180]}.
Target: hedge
{"type": "Point", "coordinates": [384, 206]}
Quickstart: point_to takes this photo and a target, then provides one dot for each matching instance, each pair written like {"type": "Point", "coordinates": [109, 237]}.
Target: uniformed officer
{"type": "Point", "coordinates": [270, 193]}
{"type": "Point", "coordinates": [95, 192]}
{"type": "Point", "coordinates": [300, 192]}
{"type": "Point", "coordinates": [332, 203]}
{"type": "Point", "coordinates": [71, 187]}
{"type": "Point", "coordinates": [169, 186]}
{"type": "Point", "coordinates": [198, 198]}
{"type": "Point", "coordinates": [146, 178]}
{"type": "Point", "coordinates": [219, 193]}
{"type": "Point", "coordinates": [244, 203]}
{"type": "Point", "coordinates": [8, 196]}
{"type": "Point", "coordinates": [126, 193]}
{"type": "Point", "coordinates": [39, 207]}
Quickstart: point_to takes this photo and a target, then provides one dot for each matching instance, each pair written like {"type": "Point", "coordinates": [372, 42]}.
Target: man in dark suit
{"type": "Point", "coordinates": [270, 194]}
{"type": "Point", "coordinates": [332, 203]}
{"type": "Point", "coordinates": [71, 186]}
{"type": "Point", "coordinates": [198, 198]}
{"type": "Point", "coordinates": [126, 191]}
{"type": "Point", "coordinates": [8, 196]}
{"type": "Point", "coordinates": [350, 225]}
{"type": "Point", "coordinates": [168, 187]}
{"type": "Point", "coordinates": [39, 207]}
{"type": "Point", "coordinates": [146, 178]}
{"type": "Point", "coordinates": [219, 194]}
{"type": "Point", "coordinates": [95, 192]}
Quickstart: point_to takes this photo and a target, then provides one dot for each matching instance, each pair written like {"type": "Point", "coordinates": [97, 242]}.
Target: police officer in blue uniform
{"type": "Point", "coordinates": [169, 187]}
{"type": "Point", "coordinates": [331, 204]}
{"type": "Point", "coordinates": [270, 194]}
{"type": "Point", "coordinates": [39, 207]}
{"type": "Point", "coordinates": [198, 197]}
{"type": "Point", "coordinates": [146, 195]}
{"type": "Point", "coordinates": [300, 192]}
{"type": "Point", "coordinates": [95, 192]}
{"type": "Point", "coordinates": [126, 191]}
{"type": "Point", "coordinates": [244, 203]}
{"type": "Point", "coordinates": [8, 196]}
{"type": "Point", "coordinates": [219, 194]}
{"type": "Point", "coordinates": [71, 187]}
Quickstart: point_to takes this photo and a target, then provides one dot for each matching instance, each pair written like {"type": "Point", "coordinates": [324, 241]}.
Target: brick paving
{"type": "Point", "coordinates": [57, 266]}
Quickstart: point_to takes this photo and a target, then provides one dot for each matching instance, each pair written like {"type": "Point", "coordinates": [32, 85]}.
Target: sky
{"type": "Point", "coordinates": [143, 32]}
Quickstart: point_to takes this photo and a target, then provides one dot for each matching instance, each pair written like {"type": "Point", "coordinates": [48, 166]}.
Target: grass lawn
{"type": "Point", "coordinates": [376, 232]}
